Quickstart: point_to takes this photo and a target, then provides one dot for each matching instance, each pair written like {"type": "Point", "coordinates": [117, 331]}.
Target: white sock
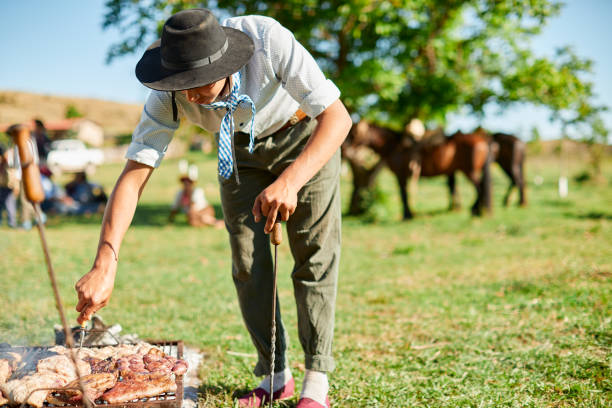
{"type": "Point", "coordinates": [315, 386]}
{"type": "Point", "coordinates": [280, 379]}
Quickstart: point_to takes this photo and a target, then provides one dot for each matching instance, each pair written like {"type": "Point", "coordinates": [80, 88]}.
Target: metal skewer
{"type": "Point", "coordinates": [82, 335]}
{"type": "Point", "coordinates": [276, 238]}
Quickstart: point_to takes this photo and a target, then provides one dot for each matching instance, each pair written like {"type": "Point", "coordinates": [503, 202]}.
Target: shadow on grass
{"type": "Point", "coordinates": [596, 215]}
{"type": "Point", "coordinates": [393, 219]}
{"type": "Point", "coordinates": [219, 392]}
{"type": "Point", "coordinates": [145, 215]}
{"type": "Point", "coordinates": [591, 215]}
{"type": "Point", "coordinates": [557, 203]}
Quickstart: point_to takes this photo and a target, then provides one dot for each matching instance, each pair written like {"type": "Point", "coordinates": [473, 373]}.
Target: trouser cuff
{"type": "Point", "coordinates": [319, 363]}
{"type": "Point", "coordinates": [263, 367]}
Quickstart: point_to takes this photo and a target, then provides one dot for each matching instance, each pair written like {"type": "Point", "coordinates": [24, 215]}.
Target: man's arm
{"type": "Point", "coordinates": [94, 288]}
{"type": "Point", "coordinates": [281, 196]}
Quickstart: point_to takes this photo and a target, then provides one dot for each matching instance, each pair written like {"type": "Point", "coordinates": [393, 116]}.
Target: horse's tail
{"type": "Point", "coordinates": [485, 179]}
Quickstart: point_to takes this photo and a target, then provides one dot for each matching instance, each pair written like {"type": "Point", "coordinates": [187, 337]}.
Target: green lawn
{"type": "Point", "coordinates": [512, 310]}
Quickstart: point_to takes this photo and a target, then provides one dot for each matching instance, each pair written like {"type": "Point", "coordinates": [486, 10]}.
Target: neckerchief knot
{"type": "Point", "coordinates": [227, 162]}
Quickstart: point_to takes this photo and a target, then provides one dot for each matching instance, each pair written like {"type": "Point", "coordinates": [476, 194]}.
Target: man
{"type": "Point", "coordinates": [43, 142]}
{"type": "Point", "coordinates": [249, 75]}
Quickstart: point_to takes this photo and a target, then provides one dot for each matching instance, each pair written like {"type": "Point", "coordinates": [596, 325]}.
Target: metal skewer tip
{"type": "Point", "coordinates": [82, 336]}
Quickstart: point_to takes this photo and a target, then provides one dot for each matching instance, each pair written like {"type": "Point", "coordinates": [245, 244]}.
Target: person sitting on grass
{"type": "Point", "coordinates": [90, 197]}
{"type": "Point", "coordinates": [192, 201]}
{"type": "Point", "coordinates": [56, 201]}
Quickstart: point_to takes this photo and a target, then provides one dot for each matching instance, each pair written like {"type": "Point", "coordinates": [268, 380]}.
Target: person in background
{"type": "Point", "coordinates": [25, 206]}
{"type": "Point", "coordinates": [56, 200]}
{"type": "Point", "coordinates": [8, 189]}
{"type": "Point", "coordinates": [90, 197]}
{"type": "Point", "coordinates": [192, 202]}
{"type": "Point", "coordinates": [43, 142]}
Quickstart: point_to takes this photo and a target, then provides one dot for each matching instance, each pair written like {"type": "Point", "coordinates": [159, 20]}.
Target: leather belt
{"type": "Point", "coordinates": [294, 119]}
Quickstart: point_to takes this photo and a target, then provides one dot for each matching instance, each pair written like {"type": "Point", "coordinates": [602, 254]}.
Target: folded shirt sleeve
{"type": "Point", "coordinates": [154, 132]}
{"type": "Point", "coordinates": [298, 72]}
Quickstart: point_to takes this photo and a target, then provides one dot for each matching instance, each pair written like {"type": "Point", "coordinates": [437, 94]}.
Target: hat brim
{"type": "Point", "coordinates": [152, 74]}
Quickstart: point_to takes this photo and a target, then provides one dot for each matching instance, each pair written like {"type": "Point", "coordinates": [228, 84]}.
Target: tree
{"type": "Point", "coordinates": [399, 59]}
{"type": "Point", "coordinates": [396, 60]}
{"type": "Point", "coordinates": [72, 112]}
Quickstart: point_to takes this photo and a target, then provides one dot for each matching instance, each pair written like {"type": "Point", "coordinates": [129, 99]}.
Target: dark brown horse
{"type": "Point", "coordinates": [511, 157]}
{"type": "Point", "coordinates": [509, 152]}
{"type": "Point", "coordinates": [406, 158]}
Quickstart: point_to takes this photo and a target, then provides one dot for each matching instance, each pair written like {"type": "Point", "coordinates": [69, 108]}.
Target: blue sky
{"type": "Point", "coordinates": [59, 48]}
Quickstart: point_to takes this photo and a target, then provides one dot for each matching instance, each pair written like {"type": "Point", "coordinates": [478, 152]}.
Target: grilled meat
{"type": "Point", "coordinates": [108, 365]}
{"type": "Point", "coordinates": [147, 371]}
{"type": "Point", "coordinates": [5, 373]}
{"type": "Point", "coordinates": [63, 366]}
{"type": "Point", "coordinates": [154, 362]}
{"type": "Point", "coordinates": [5, 370]}
{"type": "Point", "coordinates": [20, 390]}
{"type": "Point", "coordinates": [180, 367]}
{"type": "Point", "coordinates": [139, 386]}
{"type": "Point", "coordinates": [95, 385]}
{"type": "Point", "coordinates": [13, 359]}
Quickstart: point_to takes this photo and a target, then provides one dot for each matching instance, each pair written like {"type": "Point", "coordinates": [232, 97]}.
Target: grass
{"type": "Point", "coordinates": [511, 310]}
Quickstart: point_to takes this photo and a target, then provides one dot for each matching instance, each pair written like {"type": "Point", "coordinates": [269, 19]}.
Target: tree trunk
{"type": "Point", "coordinates": [363, 180]}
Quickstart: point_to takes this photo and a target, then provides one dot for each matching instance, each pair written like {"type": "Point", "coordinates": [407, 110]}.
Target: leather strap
{"type": "Point", "coordinates": [294, 119]}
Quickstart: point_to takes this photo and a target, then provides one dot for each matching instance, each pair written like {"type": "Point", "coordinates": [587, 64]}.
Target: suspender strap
{"type": "Point", "coordinates": [174, 108]}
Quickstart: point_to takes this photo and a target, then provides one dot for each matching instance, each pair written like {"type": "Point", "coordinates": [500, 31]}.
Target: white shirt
{"type": "Point", "coordinates": [198, 200]}
{"type": "Point", "coordinates": [280, 77]}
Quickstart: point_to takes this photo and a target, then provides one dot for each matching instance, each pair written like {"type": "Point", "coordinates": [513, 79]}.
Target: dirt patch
{"type": "Point", "coordinates": [114, 117]}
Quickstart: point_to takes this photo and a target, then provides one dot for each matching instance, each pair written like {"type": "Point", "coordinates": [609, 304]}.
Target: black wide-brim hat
{"type": "Point", "coordinates": [194, 50]}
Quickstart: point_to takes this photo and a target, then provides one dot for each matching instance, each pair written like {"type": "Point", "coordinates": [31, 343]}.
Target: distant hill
{"type": "Point", "coordinates": [115, 118]}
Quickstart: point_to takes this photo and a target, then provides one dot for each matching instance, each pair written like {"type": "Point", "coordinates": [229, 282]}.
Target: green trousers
{"type": "Point", "coordinates": [313, 233]}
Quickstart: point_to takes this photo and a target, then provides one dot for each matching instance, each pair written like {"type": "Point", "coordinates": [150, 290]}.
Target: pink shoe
{"type": "Point", "coordinates": [310, 403]}
{"type": "Point", "coordinates": [260, 397]}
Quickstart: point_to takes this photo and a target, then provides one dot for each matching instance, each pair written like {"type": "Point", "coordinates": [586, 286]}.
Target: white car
{"type": "Point", "coordinates": [71, 155]}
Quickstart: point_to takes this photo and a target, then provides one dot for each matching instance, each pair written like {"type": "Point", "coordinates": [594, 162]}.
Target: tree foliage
{"type": "Point", "coordinates": [72, 112]}
{"type": "Point", "coordinates": [399, 59]}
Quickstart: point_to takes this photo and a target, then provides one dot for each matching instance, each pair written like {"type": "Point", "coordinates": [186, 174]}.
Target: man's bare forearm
{"type": "Point", "coordinates": [121, 207]}
{"type": "Point", "coordinates": [332, 128]}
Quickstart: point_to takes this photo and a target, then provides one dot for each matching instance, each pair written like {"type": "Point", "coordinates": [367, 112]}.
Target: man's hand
{"type": "Point", "coordinates": [279, 198]}
{"type": "Point", "coordinates": [94, 289]}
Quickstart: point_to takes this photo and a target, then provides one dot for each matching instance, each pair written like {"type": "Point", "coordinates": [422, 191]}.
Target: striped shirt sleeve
{"type": "Point", "coordinates": [299, 72]}
{"type": "Point", "coordinates": [154, 132]}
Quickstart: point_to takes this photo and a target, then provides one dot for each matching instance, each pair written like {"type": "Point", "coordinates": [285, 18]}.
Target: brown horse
{"type": "Point", "coordinates": [509, 152]}
{"type": "Point", "coordinates": [406, 158]}
{"type": "Point", "coordinates": [511, 157]}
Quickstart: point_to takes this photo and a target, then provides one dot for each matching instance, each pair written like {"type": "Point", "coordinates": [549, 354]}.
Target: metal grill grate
{"type": "Point", "coordinates": [165, 400]}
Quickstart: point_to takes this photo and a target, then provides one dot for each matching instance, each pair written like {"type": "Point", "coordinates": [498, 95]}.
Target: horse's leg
{"type": "Point", "coordinates": [507, 195]}
{"type": "Point", "coordinates": [507, 168]}
{"type": "Point", "coordinates": [522, 196]}
{"type": "Point", "coordinates": [413, 182]}
{"type": "Point", "coordinates": [482, 185]}
{"type": "Point", "coordinates": [521, 184]}
{"type": "Point", "coordinates": [401, 181]}
{"type": "Point", "coordinates": [476, 207]}
{"type": "Point", "coordinates": [455, 201]}
{"type": "Point", "coordinates": [485, 183]}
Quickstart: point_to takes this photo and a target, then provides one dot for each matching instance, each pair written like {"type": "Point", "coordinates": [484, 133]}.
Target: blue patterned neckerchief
{"type": "Point", "coordinates": [227, 162]}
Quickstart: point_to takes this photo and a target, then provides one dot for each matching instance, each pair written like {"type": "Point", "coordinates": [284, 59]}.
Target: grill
{"type": "Point", "coordinates": [165, 400]}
